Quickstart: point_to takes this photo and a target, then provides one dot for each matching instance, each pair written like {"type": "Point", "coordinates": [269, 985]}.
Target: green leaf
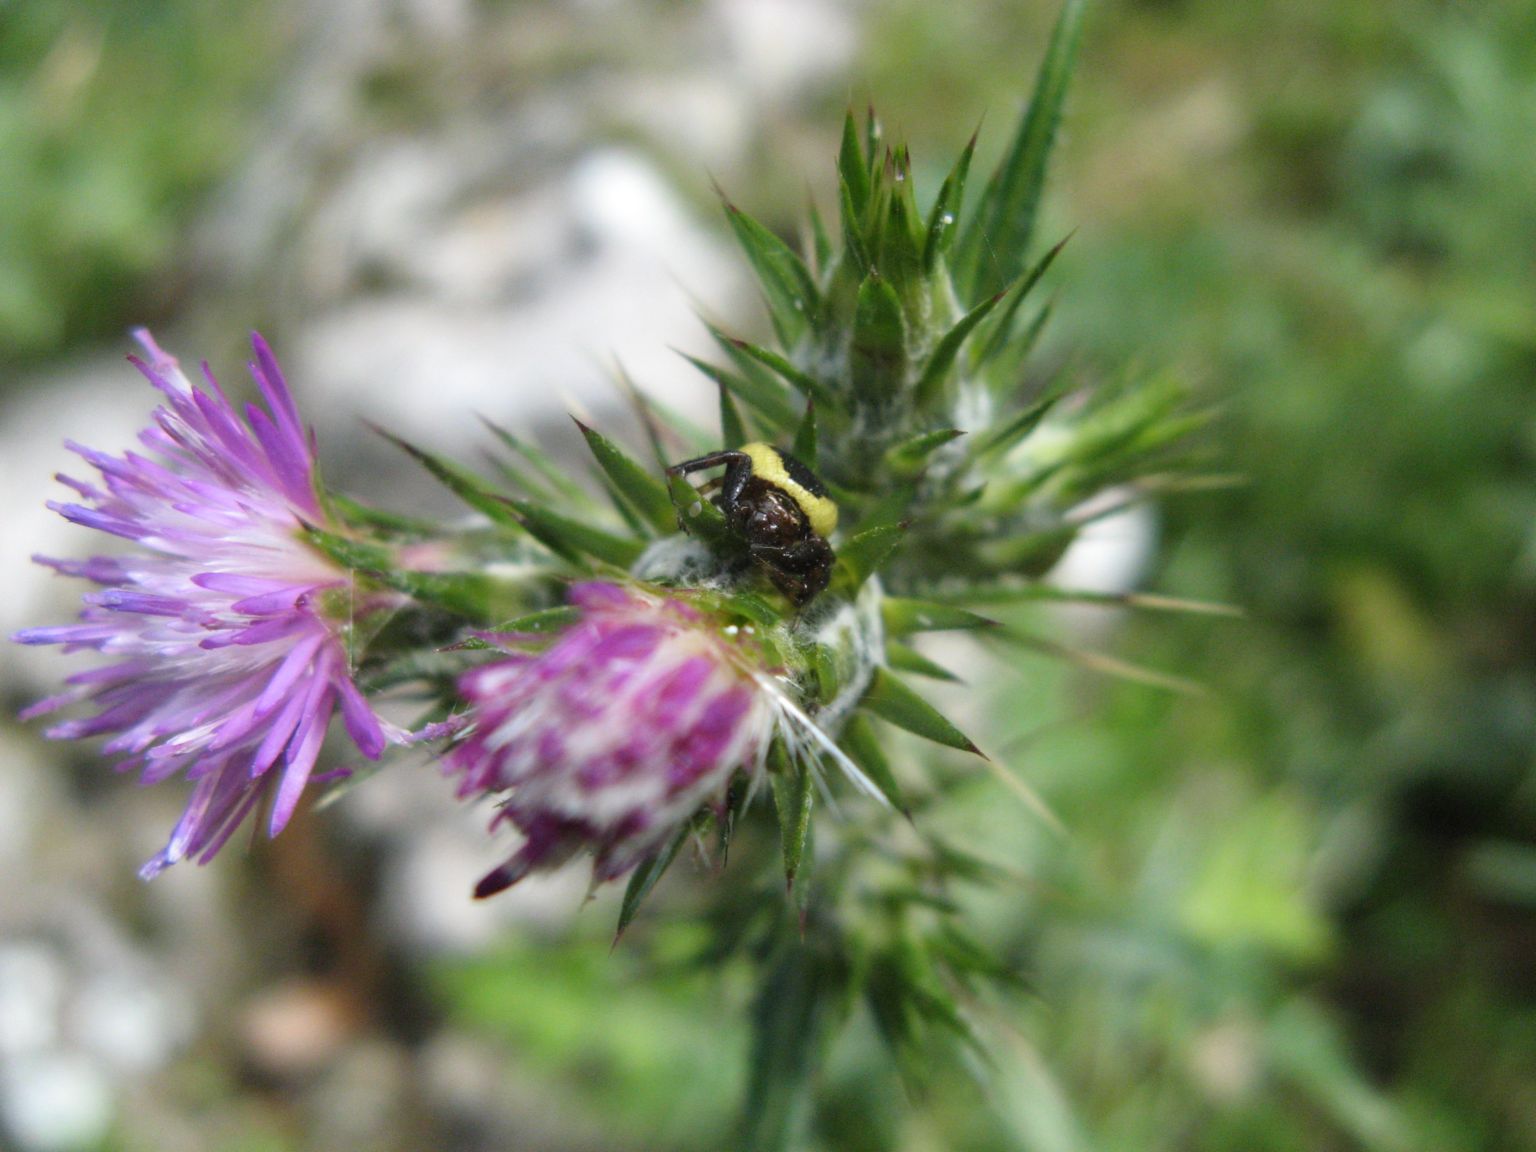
{"type": "Point", "coordinates": [892, 504]}
{"type": "Point", "coordinates": [571, 538]}
{"type": "Point", "coordinates": [804, 448]}
{"type": "Point", "coordinates": [733, 432]}
{"type": "Point", "coordinates": [878, 353]}
{"type": "Point", "coordinates": [1004, 369]}
{"type": "Point", "coordinates": [644, 878]}
{"type": "Point", "coordinates": [890, 699]}
{"type": "Point", "coordinates": [824, 663]}
{"type": "Point", "coordinates": [1006, 436]}
{"type": "Point", "coordinates": [791, 293]}
{"type": "Point", "coordinates": [349, 553]}
{"type": "Point", "coordinates": [901, 252]}
{"type": "Point", "coordinates": [853, 169]}
{"type": "Point", "coordinates": [793, 797]}
{"type": "Point", "coordinates": [544, 620]}
{"type": "Point", "coordinates": [820, 241]}
{"type": "Point", "coordinates": [697, 515]}
{"type": "Point", "coordinates": [910, 457]}
{"type": "Point", "coordinates": [1146, 601]}
{"type": "Point", "coordinates": [998, 332]}
{"type": "Point", "coordinates": [544, 464]}
{"type": "Point", "coordinates": [997, 240]}
{"type": "Point", "coordinates": [791, 1016]}
{"type": "Point", "coordinates": [806, 384]}
{"type": "Point", "coordinates": [760, 392]}
{"type": "Point", "coordinates": [356, 513]}
{"type": "Point", "coordinates": [466, 594]}
{"type": "Point", "coordinates": [863, 554]}
{"type": "Point", "coordinates": [873, 134]}
{"type": "Point", "coordinates": [464, 484]}
{"type": "Point", "coordinates": [852, 227]}
{"type": "Point", "coordinates": [943, 219]}
{"type": "Point", "coordinates": [930, 383]}
{"type": "Point", "coordinates": [903, 617]}
{"type": "Point", "coordinates": [905, 659]}
{"type": "Point", "coordinates": [633, 483]}
{"type": "Point", "coordinates": [863, 747]}
{"type": "Point", "coordinates": [646, 408]}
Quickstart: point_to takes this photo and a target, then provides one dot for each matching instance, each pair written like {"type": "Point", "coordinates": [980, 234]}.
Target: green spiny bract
{"type": "Point", "coordinates": [899, 372]}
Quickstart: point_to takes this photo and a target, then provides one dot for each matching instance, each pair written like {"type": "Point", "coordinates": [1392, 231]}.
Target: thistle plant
{"type": "Point", "coordinates": [658, 657]}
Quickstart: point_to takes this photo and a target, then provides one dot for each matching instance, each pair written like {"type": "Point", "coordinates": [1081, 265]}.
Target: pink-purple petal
{"type": "Point", "coordinates": [614, 736]}
{"type": "Point", "coordinates": [221, 664]}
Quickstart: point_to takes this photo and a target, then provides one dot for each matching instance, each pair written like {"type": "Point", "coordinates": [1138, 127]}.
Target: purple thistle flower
{"type": "Point", "coordinates": [612, 738]}
{"type": "Point", "coordinates": [226, 629]}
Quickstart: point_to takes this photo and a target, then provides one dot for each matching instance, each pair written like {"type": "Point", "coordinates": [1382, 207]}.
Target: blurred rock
{"type": "Point", "coordinates": [55, 1102]}
{"type": "Point", "coordinates": [296, 1028]}
{"type": "Point", "coordinates": [550, 288]}
{"type": "Point", "coordinates": [80, 1012]}
{"type": "Point", "coordinates": [365, 1102]}
{"type": "Point", "coordinates": [100, 402]}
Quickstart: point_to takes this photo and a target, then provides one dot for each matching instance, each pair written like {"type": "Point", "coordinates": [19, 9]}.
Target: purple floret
{"type": "Point", "coordinates": [614, 736]}
{"type": "Point", "coordinates": [225, 668]}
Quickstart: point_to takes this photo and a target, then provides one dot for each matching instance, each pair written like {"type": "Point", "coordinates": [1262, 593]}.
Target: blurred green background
{"type": "Point", "coordinates": [1297, 911]}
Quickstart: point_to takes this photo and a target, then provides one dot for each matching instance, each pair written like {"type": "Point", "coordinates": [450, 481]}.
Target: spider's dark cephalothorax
{"type": "Point", "coordinates": [778, 508]}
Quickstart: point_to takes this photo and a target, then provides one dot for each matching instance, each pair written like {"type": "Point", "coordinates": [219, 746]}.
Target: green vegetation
{"type": "Point", "coordinates": [114, 119]}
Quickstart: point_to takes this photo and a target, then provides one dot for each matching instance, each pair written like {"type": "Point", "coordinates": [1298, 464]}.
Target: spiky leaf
{"type": "Point", "coordinates": [634, 484]}
{"type": "Point", "coordinates": [878, 354]}
{"type": "Point", "coordinates": [903, 617]}
{"type": "Point", "coordinates": [544, 620]}
{"type": "Point", "coordinates": [904, 659]}
{"type": "Point", "coordinates": [997, 241]}
{"type": "Point", "coordinates": [644, 878]}
{"type": "Point", "coordinates": [468, 487]}
{"type": "Point", "coordinates": [863, 746]}
{"type": "Point", "coordinates": [572, 539]}
{"type": "Point", "coordinates": [567, 490]}
{"type": "Point", "coordinates": [790, 1019]}
{"type": "Point", "coordinates": [803, 382]}
{"type": "Point", "coordinates": [805, 447]}
{"type": "Point", "coordinates": [890, 699]}
{"type": "Point", "coordinates": [791, 293]}
{"type": "Point", "coordinates": [931, 382]}
{"type": "Point", "coordinates": [943, 219]}
{"type": "Point", "coordinates": [853, 168]}
{"type": "Point", "coordinates": [757, 391]}
{"type": "Point", "coordinates": [793, 796]}
{"type": "Point", "coordinates": [863, 554]}
{"type": "Point", "coordinates": [733, 431]}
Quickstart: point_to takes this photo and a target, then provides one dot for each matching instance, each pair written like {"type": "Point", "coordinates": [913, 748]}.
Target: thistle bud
{"type": "Point", "coordinates": [612, 737]}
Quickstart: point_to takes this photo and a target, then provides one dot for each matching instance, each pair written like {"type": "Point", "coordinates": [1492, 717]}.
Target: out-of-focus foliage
{"type": "Point", "coordinates": [114, 118]}
{"type": "Point", "coordinates": [1311, 922]}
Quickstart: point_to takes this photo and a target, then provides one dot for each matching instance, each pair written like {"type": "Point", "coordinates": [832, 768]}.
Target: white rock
{"type": "Point", "coordinates": [55, 1102]}
{"type": "Point", "coordinates": [101, 403]}
{"type": "Point", "coordinates": [31, 994]}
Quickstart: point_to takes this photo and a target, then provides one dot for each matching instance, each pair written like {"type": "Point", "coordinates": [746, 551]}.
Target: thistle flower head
{"type": "Point", "coordinates": [611, 738]}
{"type": "Point", "coordinates": [225, 630]}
